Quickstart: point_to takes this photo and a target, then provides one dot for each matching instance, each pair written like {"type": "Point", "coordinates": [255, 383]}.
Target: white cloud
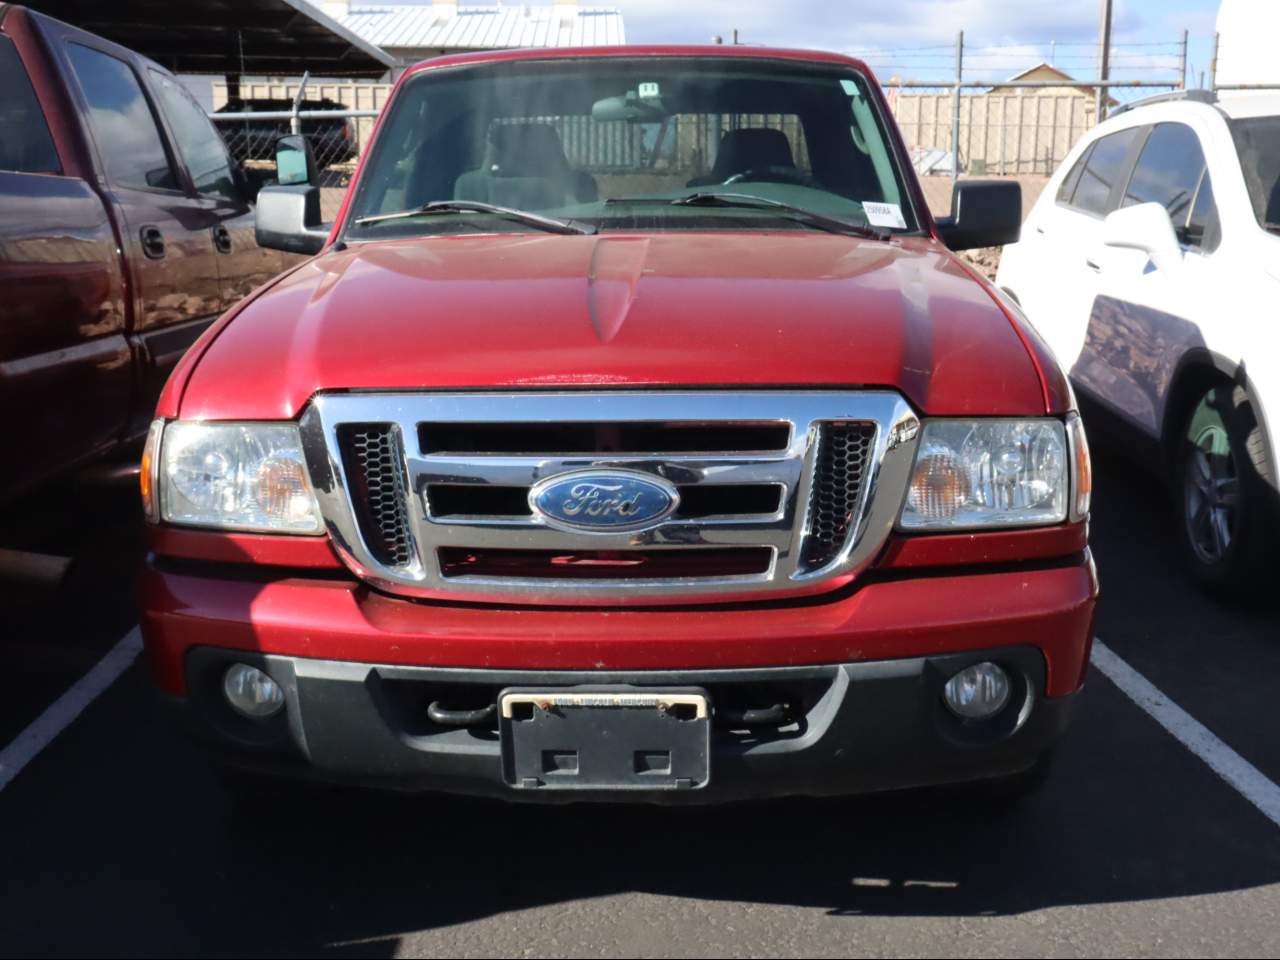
{"type": "Point", "coordinates": [916, 38]}
{"type": "Point", "coordinates": [856, 23]}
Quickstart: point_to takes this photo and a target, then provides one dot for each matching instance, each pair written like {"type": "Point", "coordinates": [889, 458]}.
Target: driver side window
{"type": "Point", "coordinates": [200, 144]}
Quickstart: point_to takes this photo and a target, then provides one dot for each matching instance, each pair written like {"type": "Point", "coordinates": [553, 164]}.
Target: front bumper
{"type": "Point", "coordinates": [866, 668]}
{"type": "Point", "coordinates": [859, 727]}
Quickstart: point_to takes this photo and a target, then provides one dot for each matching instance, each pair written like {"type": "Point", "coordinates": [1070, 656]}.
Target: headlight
{"type": "Point", "coordinates": [988, 473]}
{"type": "Point", "coordinates": [238, 476]}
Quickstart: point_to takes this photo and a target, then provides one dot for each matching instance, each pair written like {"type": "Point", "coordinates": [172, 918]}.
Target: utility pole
{"type": "Point", "coordinates": [955, 114]}
{"type": "Point", "coordinates": [1182, 59]}
{"type": "Point", "coordinates": [1104, 59]}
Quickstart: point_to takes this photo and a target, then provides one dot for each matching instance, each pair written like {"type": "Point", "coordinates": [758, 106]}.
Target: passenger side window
{"type": "Point", "coordinates": [1068, 188]}
{"type": "Point", "coordinates": [122, 123]}
{"type": "Point", "coordinates": [1168, 171]}
{"type": "Point", "coordinates": [202, 148]}
{"type": "Point", "coordinates": [1203, 228]}
{"type": "Point", "coordinates": [1103, 170]}
{"type": "Point", "coordinates": [26, 146]}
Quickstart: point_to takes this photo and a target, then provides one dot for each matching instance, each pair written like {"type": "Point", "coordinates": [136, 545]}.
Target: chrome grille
{"type": "Point", "coordinates": [790, 493]}
{"type": "Point", "coordinates": [844, 450]}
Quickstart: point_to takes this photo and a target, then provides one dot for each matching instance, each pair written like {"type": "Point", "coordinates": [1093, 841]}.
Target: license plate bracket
{"type": "Point", "coordinates": [605, 738]}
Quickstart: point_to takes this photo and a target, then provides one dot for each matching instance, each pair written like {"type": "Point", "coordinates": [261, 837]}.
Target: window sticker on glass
{"type": "Point", "coordinates": [648, 91]}
{"type": "Point", "coordinates": [884, 215]}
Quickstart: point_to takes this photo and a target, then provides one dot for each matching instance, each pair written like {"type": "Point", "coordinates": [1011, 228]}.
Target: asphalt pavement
{"type": "Point", "coordinates": [114, 839]}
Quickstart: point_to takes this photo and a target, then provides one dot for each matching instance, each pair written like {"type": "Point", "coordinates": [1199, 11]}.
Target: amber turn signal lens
{"type": "Point", "coordinates": [147, 476]}
{"type": "Point", "coordinates": [1081, 469]}
{"type": "Point", "coordinates": [939, 486]}
{"type": "Point", "coordinates": [282, 488]}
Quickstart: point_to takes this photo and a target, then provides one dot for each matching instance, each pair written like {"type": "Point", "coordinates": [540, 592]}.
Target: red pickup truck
{"type": "Point", "coordinates": [125, 229]}
{"type": "Point", "coordinates": [633, 434]}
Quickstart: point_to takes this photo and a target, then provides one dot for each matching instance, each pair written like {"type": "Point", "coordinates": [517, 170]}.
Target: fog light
{"type": "Point", "coordinates": [251, 692]}
{"type": "Point", "coordinates": [977, 692]}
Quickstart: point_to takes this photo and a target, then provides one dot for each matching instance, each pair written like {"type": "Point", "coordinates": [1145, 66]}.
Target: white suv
{"type": "Point", "coordinates": [1151, 265]}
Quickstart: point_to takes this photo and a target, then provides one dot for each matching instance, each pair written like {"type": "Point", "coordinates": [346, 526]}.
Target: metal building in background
{"type": "Point", "coordinates": [413, 32]}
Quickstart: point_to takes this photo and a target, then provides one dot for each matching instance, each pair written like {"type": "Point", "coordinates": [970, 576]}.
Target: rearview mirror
{"type": "Point", "coordinates": [288, 218]}
{"type": "Point", "coordinates": [295, 162]}
{"type": "Point", "coordinates": [1144, 227]}
{"type": "Point", "coordinates": [631, 108]}
{"type": "Point", "coordinates": [984, 213]}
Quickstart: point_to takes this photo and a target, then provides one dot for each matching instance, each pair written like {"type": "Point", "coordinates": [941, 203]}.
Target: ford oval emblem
{"type": "Point", "coordinates": [604, 501]}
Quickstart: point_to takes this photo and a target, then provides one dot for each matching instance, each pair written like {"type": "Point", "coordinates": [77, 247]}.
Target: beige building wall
{"type": "Point", "coordinates": [1022, 132]}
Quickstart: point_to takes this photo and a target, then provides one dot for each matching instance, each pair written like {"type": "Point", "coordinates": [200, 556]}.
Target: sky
{"type": "Point", "coordinates": [915, 39]}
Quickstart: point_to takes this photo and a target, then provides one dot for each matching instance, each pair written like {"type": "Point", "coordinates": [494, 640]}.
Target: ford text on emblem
{"type": "Point", "coordinates": [604, 501]}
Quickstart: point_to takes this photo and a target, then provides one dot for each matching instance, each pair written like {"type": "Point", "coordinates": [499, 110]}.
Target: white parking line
{"type": "Point", "coordinates": [1247, 779]}
{"type": "Point", "coordinates": [63, 711]}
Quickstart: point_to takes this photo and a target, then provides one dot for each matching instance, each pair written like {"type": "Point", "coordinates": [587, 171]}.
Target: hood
{"type": "Point", "coordinates": [660, 310]}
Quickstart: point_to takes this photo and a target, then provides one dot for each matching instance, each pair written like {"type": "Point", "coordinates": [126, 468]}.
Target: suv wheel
{"type": "Point", "coordinates": [1221, 493]}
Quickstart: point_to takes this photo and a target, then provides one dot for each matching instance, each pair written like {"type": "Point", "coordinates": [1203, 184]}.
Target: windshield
{"type": "Point", "coordinates": [1258, 143]}
{"type": "Point", "coordinates": [604, 141]}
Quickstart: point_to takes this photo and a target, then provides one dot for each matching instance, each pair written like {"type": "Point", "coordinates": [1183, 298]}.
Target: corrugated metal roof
{"type": "Point", "coordinates": [501, 26]}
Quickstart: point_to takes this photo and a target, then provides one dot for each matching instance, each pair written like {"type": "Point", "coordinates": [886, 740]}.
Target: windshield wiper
{"type": "Point", "coordinates": [750, 201]}
{"type": "Point", "coordinates": [549, 224]}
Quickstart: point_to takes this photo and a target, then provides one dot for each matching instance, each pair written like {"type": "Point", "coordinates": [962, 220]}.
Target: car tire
{"type": "Point", "coordinates": [1224, 502]}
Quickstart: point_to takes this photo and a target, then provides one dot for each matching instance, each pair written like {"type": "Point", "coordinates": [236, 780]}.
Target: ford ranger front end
{"type": "Point", "coordinates": [633, 435]}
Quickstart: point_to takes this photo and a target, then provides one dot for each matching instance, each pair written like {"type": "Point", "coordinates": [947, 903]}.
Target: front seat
{"type": "Point", "coordinates": [743, 150]}
{"type": "Point", "coordinates": [525, 168]}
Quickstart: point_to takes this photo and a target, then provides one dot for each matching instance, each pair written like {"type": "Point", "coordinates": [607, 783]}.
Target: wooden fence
{"type": "Point", "coordinates": [999, 133]}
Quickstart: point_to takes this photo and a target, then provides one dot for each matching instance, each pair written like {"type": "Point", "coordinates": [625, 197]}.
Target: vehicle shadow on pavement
{"type": "Point", "coordinates": [118, 840]}
{"type": "Point", "coordinates": [143, 854]}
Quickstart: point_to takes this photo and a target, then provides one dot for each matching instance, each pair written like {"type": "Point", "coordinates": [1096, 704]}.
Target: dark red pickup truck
{"type": "Point", "coordinates": [125, 229]}
{"type": "Point", "coordinates": [633, 434]}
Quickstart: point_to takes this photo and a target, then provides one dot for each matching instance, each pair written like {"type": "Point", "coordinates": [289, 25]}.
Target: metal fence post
{"type": "Point", "coordinates": [1104, 60]}
{"type": "Point", "coordinates": [1182, 59]}
{"type": "Point", "coordinates": [1213, 63]}
{"type": "Point", "coordinates": [955, 111]}
{"type": "Point", "coordinates": [295, 122]}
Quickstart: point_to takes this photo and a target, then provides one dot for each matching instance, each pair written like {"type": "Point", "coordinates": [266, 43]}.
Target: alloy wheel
{"type": "Point", "coordinates": [1211, 492]}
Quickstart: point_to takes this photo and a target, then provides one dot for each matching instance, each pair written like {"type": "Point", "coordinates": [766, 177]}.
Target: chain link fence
{"type": "Point", "coordinates": [251, 140]}
{"type": "Point", "coordinates": [954, 124]}
{"type": "Point", "coordinates": [336, 118]}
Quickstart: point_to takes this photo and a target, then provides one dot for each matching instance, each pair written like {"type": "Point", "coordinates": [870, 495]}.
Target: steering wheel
{"type": "Point", "coordinates": [774, 173]}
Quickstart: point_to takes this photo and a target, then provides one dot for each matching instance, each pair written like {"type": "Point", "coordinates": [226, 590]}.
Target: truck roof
{"type": "Point", "coordinates": [722, 51]}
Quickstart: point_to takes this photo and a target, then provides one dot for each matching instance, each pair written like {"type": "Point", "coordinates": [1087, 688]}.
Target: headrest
{"type": "Point", "coordinates": [525, 150]}
{"type": "Point", "coordinates": [742, 150]}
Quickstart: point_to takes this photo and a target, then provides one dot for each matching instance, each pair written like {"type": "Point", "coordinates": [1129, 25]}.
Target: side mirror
{"type": "Point", "coordinates": [1144, 227]}
{"type": "Point", "coordinates": [288, 218]}
{"type": "Point", "coordinates": [985, 213]}
{"type": "Point", "coordinates": [295, 161]}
